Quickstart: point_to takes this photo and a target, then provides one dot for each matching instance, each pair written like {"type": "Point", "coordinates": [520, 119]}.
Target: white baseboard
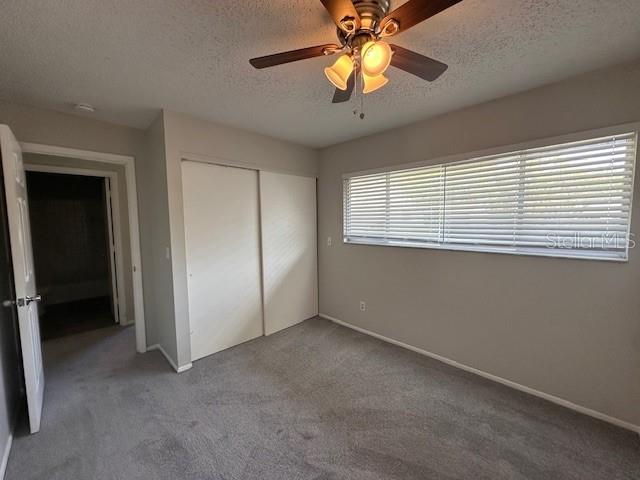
{"type": "Point", "coordinates": [503, 381]}
{"type": "Point", "coordinates": [184, 368]}
{"type": "Point", "coordinates": [5, 455]}
{"type": "Point", "coordinates": [181, 369]}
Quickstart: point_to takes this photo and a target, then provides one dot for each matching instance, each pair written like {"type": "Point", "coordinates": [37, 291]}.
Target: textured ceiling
{"type": "Point", "coordinates": [131, 58]}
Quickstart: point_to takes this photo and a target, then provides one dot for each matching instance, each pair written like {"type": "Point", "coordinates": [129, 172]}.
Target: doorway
{"type": "Point", "coordinates": [121, 169]}
{"type": "Point", "coordinates": [74, 252]}
{"type": "Point", "coordinates": [26, 299]}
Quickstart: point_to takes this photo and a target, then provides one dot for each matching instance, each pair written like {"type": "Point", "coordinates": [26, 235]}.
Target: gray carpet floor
{"type": "Point", "coordinates": [316, 401]}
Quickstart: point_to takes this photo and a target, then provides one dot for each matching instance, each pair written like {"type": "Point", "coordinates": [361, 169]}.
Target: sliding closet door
{"type": "Point", "coordinates": [222, 230]}
{"type": "Point", "coordinates": [289, 249]}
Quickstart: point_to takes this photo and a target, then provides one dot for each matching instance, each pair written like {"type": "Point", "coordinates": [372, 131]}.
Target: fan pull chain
{"type": "Point", "coordinates": [355, 87]}
{"type": "Point", "coordinates": [359, 93]}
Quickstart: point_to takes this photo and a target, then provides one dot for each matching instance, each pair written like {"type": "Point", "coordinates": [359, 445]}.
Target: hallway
{"type": "Point", "coordinates": [72, 318]}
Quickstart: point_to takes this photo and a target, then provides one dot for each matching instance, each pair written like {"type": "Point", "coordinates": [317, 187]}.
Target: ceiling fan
{"type": "Point", "coordinates": [363, 26]}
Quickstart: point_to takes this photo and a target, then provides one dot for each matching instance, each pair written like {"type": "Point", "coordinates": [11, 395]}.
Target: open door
{"type": "Point", "coordinates": [112, 250]}
{"type": "Point", "coordinates": [25, 283]}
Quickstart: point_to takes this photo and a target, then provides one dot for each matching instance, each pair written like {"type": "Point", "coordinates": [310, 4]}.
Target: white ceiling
{"type": "Point", "coordinates": [131, 58]}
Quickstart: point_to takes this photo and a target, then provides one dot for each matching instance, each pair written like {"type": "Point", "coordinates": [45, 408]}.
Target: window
{"type": "Point", "coordinates": [569, 200]}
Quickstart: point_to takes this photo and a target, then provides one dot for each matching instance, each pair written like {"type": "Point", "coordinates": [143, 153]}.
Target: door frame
{"type": "Point", "coordinates": [112, 224]}
{"type": "Point", "coordinates": [134, 227]}
{"type": "Point", "coordinates": [117, 273]}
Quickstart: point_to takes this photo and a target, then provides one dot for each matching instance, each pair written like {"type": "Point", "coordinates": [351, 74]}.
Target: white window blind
{"type": "Point", "coordinates": [572, 199]}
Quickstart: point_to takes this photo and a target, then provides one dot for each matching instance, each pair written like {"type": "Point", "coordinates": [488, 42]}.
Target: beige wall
{"type": "Point", "coordinates": [47, 127]}
{"type": "Point", "coordinates": [158, 153]}
{"type": "Point", "coordinates": [569, 328]}
{"type": "Point", "coordinates": [186, 137]}
{"type": "Point", "coordinates": [158, 291]}
{"type": "Point", "coordinates": [30, 124]}
{"type": "Point", "coordinates": [517, 317]}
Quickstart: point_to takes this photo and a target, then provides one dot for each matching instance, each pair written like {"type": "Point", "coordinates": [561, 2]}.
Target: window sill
{"type": "Point", "coordinates": [538, 252]}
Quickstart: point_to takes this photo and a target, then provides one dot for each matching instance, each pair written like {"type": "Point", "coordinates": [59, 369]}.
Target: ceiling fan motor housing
{"type": "Point", "coordinates": [370, 13]}
{"type": "Point", "coordinates": [363, 27]}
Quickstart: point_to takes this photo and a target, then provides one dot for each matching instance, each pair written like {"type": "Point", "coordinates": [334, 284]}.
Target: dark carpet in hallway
{"type": "Point", "coordinates": [71, 318]}
{"type": "Point", "coordinates": [316, 401]}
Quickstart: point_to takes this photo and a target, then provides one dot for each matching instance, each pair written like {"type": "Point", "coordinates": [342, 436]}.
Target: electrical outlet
{"type": "Point", "coordinates": [363, 306]}
{"type": "Point", "coordinates": [328, 241]}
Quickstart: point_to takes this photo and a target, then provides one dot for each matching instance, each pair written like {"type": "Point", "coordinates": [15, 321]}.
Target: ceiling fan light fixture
{"type": "Point", "coordinates": [339, 73]}
{"type": "Point", "coordinates": [373, 83]}
{"type": "Point", "coordinates": [364, 54]}
{"type": "Point", "coordinates": [376, 57]}
{"type": "Point", "coordinates": [390, 28]}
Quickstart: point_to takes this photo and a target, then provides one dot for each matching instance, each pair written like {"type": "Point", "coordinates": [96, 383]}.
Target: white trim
{"type": "Point", "coordinates": [227, 162]}
{"type": "Point", "coordinates": [84, 172]}
{"type": "Point", "coordinates": [41, 149]}
{"type": "Point", "coordinates": [184, 368]}
{"type": "Point", "coordinates": [134, 227]}
{"type": "Point", "coordinates": [5, 455]}
{"type": "Point", "coordinates": [549, 253]}
{"type": "Point", "coordinates": [495, 378]}
{"type": "Point", "coordinates": [117, 233]}
{"type": "Point", "coordinates": [181, 369]}
{"type": "Point", "coordinates": [112, 249]}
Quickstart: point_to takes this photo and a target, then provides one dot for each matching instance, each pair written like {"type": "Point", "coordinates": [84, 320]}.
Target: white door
{"type": "Point", "coordinates": [112, 250]}
{"type": "Point", "coordinates": [222, 234]}
{"type": "Point", "coordinates": [289, 249]}
{"type": "Point", "coordinates": [25, 282]}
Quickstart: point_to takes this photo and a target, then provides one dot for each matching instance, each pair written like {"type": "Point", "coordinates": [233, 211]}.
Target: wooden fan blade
{"type": "Point", "coordinates": [341, 96]}
{"type": "Point", "coordinates": [416, 64]}
{"type": "Point", "coordinates": [415, 11]}
{"type": "Point", "coordinates": [293, 55]}
{"type": "Point", "coordinates": [343, 11]}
